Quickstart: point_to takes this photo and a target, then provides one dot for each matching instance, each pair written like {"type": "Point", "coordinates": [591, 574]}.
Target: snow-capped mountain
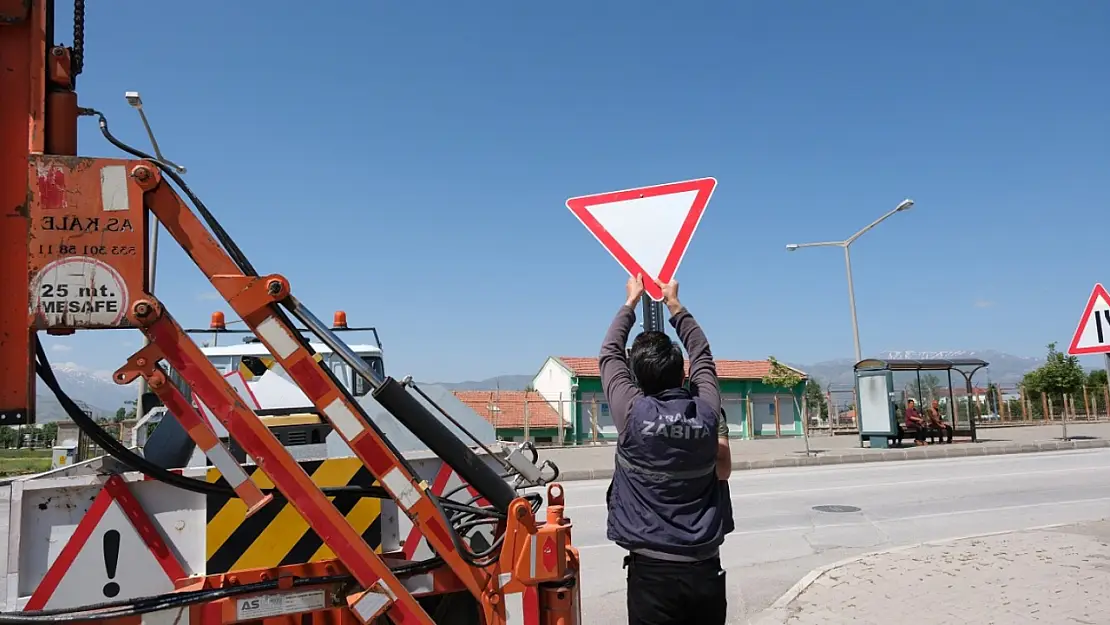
{"type": "Point", "coordinates": [93, 388]}
{"type": "Point", "coordinates": [1003, 368]}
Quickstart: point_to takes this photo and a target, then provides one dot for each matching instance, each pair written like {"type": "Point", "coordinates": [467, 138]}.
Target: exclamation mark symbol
{"type": "Point", "coordinates": [111, 560]}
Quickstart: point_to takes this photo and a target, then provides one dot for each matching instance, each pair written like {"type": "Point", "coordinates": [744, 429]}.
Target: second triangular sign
{"type": "Point", "coordinates": [115, 553]}
{"type": "Point", "coordinates": [1093, 334]}
{"type": "Point", "coordinates": [647, 230]}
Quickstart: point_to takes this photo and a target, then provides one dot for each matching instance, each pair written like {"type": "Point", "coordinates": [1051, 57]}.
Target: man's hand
{"type": "Point", "coordinates": [635, 289]}
{"type": "Point", "coordinates": [670, 296]}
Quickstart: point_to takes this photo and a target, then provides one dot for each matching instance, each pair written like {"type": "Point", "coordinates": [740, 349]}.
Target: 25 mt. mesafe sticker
{"type": "Point", "coordinates": [79, 292]}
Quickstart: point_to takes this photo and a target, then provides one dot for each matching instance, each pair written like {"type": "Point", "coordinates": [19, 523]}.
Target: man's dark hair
{"type": "Point", "coordinates": [657, 363]}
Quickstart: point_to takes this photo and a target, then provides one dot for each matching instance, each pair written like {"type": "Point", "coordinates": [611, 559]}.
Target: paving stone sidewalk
{"type": "Point", "coordinates": [1058, 576]}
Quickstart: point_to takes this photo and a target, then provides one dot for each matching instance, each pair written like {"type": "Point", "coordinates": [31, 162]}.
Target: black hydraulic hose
{"type": "Point", "coordinates": [222, 236]}
{"type": "Point", "coordinates": [134, 461]}
{"type": "Point", "coordinates": [420, 421]}
{"type": "Point", "coordinates": [466, 464]}
{"type": "Point", "coordinates": [138, 463]}
{"type": "Point", "coordinates": [144, 605]}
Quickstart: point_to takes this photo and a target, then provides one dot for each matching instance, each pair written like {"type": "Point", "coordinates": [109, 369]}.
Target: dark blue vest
{"type": "Point", "coordinates": [665, 495]}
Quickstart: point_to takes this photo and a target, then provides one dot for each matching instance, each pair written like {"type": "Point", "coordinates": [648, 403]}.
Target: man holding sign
{"type": "Point", "coordinates": [667, 504]}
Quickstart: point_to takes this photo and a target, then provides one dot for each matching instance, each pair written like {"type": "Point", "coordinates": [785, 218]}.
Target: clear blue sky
{"type": "Point", "coordinates": [408, 162]}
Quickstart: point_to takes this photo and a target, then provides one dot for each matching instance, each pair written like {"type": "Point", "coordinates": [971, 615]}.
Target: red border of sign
{"type": "Point", "coordinates": [1074, 350]}
{"type": "Point", "coordinates": [114, 489]}
{"type": "Point", "coordinates": [580, 206]}
{"type": "Point", "coordinates": [439, 484]}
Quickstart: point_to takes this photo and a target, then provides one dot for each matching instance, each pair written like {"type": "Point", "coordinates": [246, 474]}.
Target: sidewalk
{"type": "Point", "coordinates": [589, 462]}
{"type": "Point", "coordinates": [1057, 575]}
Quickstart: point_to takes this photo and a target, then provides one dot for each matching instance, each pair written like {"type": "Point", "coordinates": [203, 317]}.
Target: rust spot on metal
{"type": "Point", "coordinates": [52, 187]}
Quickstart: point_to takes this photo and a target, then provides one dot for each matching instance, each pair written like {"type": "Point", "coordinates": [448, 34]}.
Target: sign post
{"type": "Point", "coordinates": [647, 231]}
{"type": "Point", "coordinates": [1092, 336]}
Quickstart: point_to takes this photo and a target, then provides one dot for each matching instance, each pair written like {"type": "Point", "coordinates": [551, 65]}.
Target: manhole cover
{"type": "Point", "coordinates": [836, 508]}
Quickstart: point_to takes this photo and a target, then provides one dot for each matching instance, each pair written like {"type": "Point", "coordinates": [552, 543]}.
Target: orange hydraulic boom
{"type": "Point", "coordinates": [73, 237]}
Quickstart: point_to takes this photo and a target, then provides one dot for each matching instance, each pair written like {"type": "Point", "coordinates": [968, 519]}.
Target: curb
{"type": "Point", "coordinates": [783, 602]}
{"type": "Point", "coordinates": [866, 455]}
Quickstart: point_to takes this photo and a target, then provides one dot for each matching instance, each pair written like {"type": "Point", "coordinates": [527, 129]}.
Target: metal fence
{"type": "Point", "coordinates": [993, 405]}
{"type": "Point", "coordinates": [552, 422]}
{"type": "Point", "coordinates": [27, 437]}
{"type": "Point", "coordinates": [1015, 405]}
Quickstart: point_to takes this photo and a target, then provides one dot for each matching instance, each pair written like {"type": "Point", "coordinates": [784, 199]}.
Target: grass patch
{"type": "Point", "coordinates": [22, 466]}
{"type": "Point", "coordinates": [24, 453]}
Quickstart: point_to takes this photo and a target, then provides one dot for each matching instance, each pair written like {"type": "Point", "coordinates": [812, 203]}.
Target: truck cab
{"type": "Point", "coordinates": [265, 386]}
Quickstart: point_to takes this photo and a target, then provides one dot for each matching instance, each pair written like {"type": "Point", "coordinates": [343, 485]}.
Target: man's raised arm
{"type": "Point", "coordinates": [616, 377]}
{"type": "Point", "coordinates": [703, 371]}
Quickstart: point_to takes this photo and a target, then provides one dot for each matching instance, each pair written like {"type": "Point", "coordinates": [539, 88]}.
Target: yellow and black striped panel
{"type": "Point", "coordinates": [277, 535]}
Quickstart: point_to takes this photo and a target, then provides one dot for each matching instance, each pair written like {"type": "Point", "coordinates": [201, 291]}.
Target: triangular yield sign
{"type": "Point", "coordinates": [1093, 334]}
{"type": "Point", "coordinates": [647, 230]}
{"type": "Point", "coordinates": [115, 553]}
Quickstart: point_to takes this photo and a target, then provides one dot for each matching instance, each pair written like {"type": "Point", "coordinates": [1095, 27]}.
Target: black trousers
{"type": "Point", "coordinates": [675, 593]}
{"type": "Point", "coordinates": [940, 432]}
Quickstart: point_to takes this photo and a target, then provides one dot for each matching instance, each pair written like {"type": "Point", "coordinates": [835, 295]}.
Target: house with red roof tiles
{"type": "Point", "coordinates": [572, 386]}
{"type": "Point", "coordinates": [516, 415]}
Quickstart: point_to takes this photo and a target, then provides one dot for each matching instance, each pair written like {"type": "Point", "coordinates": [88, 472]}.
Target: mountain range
{"type": "Point", "coordinates": [102, 397]}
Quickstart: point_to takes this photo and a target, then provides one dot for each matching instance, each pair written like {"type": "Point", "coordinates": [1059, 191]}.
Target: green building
{"type": "Point", "coordinates": [572, 386]}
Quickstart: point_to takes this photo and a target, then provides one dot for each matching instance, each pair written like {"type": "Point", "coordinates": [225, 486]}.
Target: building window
{"type": "Point", "coordinates": [733, 405]}
{"type": "Point", "coordinates": [604, 419]}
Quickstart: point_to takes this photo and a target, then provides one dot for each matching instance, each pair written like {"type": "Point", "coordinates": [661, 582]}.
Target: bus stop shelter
{"type": "Point", "coordinates": [875, 395]}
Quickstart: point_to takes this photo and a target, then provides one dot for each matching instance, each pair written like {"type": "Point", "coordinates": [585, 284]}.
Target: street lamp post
{"type": "Point", "coordinates": [847, 244]}
{"type": "Point", "coordinates": [136, 101]}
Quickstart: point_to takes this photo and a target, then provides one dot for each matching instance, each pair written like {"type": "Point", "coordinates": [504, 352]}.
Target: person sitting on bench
{"type": "Point", "coordinates": [914, 423]}
{"type": "Point", "coordinates": [937, 426]}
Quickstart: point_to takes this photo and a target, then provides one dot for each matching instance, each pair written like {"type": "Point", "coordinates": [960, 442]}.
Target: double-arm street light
{"type": "Point", "coordinates": [846, 244]}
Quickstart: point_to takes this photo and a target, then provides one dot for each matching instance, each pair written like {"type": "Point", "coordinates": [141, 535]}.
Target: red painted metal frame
{"type": "Point", "coordinates": [272, 458]}
{"type": "Point", "coordinates": [38, 119]}
{"type": "Point", "coordinates": [254, 300]}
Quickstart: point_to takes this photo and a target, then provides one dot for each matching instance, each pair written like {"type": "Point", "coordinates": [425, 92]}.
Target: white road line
{"type": "Point", "coordinates": [916, 517]}
{"type": "Point", "coordinates": [898, 483]}
{"type": "Point", "coordinates": [779, 473]}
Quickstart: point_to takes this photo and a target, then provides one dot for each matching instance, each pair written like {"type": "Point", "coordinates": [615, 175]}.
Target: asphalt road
{"type": "Point", "coordinates": [779, 536]}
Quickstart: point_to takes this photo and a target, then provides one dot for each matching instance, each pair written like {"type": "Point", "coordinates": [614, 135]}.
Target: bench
{"type": "Point", "coordinates": [932, 435]}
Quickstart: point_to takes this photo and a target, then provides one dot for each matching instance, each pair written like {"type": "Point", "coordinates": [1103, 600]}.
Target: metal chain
{"type": "Point", "coordinates": [77, 59]}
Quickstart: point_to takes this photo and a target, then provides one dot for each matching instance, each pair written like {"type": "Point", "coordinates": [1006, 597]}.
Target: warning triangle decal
{"type": "Point", "coordinates": [1093, 334]}
{"type": "Point", "coordinates": [647, 230]}
{"type": "Point", "coordinates": [115, 553]}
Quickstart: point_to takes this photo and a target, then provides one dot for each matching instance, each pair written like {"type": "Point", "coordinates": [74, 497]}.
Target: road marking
{"type": "Point", "coordinates": [898, 483]}
{"type": "Point", "coordinates": [854, 468]}
{"type": "Point", "coordinates": [888, 521]}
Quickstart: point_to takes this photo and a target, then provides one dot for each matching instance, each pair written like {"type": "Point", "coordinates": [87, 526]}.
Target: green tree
{"type": "Point", "coordinates": [815, 396]}
{"type": "Point", "coordinates": [50, 434]}
{"type": "Point", "coordinates": [781, 376]}
{"type": "Point", "coordinates": [992, 398]}
{"type": "Point", "coordinates": [7, 436]}
{"type": "Point", "coordinates": [121, 414]}
{"type": "Point", "coordinates": [928, 390]}
{"type": "Point", "coordinates": [1061, 373]}
{"type": "Point", "coordinates": [1096, 378]}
